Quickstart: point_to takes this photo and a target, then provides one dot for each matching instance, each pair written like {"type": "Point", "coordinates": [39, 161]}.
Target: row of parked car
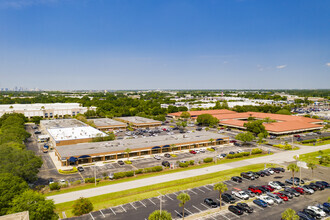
{"type": "Point", "coordinates": [314, 212]}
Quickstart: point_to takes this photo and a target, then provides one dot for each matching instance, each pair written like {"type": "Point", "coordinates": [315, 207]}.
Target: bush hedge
{"type": "Point", "coordinates": [256, 151]}
{"type": "Point", "coordinates": [139, 171]}
{"type": "Point", "coordinates": [283, 146]}
{"type": "Point", "coordinates": [90, 180]}
{"type": "Point", "coordinates": [208, 160]}
{"type": "Point", "coordinates": [186, 164]}
{"type": "Point", "coordinates": [210, 149]}
{"type": "Point", "coordinates": [55, 186]}
{"type": "Point", "coordinates": [128, 162]}
{"type": "Point", "coordinates": [308, 141]}
{"type": "Point", "coordinates": [74, 170]}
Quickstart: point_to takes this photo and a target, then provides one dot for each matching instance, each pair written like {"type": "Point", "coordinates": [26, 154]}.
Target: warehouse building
{"type": "Point", "coordinates": [69, 131]}
{"type": "Point", "coordinates": [113, 150]}
{"type": "Point", "coordinates": [107, 124]}
{"type": "Point", "coordinates": [45, 110]}
{"type": "Point", "coordinates": [195, 114]}
{"type": "Point", "coordinates": [139, 122]}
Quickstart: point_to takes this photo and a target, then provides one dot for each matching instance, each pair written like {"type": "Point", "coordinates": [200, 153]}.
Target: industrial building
{"type": "Point", "coordinates": [107, 124]}
{"type": "Point", "coordinates": [69, 131]}
{"type": "Point", "coordinates": [112, 150]}
{"type": "Point", "coordinates": [139, 122]}
{"type": "Point", "coordinates": [45, 110]}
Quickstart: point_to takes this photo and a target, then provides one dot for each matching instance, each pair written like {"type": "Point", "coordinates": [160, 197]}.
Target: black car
{"type": "Point", "coordinates": [197, 129]}
{"type": "Point", "coordinates": [280, 183]}
{"type": "Point", "coordinates": [280, 169]}
{"type": "Point", "coordinates": [252, 173]}
{"type": "Point", "coordinates": [260, 173]}
{"type": "Point", "coordinates": [275, 170]}
{"type": "Point", "coordinates": [237, 179]}
{"type": "Point", "coordinates": [165, 163]}
{"type": "Point", "coordinates": [247, 176]}
{"type": "Point", "coordinates": [288, 194]}
{"type": "Point", "coordinates": [227, 198]}
{"type": "Point", "coordinates": [120, 162]}
{"type": "Point", "coordinates": [244, 207]}
{"type": "Point", "coordinates": [237, 144]}
{"type": "Point", "coordinates": [210, 203]}
{"type": "Point", "coordinates": [315, 188]}
{"type": "Point", "coordinates": [325, 184]}
{"type": "Point", "coordinates": [167, 155]}
{"type": "Point", "coordinates": [319, 186]}
{"type": "Point", "coordinates": [265, 172]}
{"type": "Point", "coordinates": [231, 152]}
{"type": "Point", "coordinates": [80, 169]}
{"type": "Point", "coordinates": [296, 179]}
{"type": "Point", "coordinates": [223, 155]}
{"type": "Point", "coordinates": [312, 213]}
{"type": "Point", "coordinates": [235, 209]}
{"type": "Point", "coordinates": [262, 189]}
{"type": "Point", "coordinates": [304, 216]}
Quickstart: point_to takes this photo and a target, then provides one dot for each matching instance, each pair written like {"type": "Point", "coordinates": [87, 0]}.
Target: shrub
{"type": "Point", "coordinates": [284, 147]}
{"type": "Point", "coordinates": [325, 138]}
{"type": "Point", "coordinates": [128, 162]}
{"type": "Point", "coordinates": [147, 170]}
{"type": "Point", "coordinates": [157, 168]}
{"type": "Point", "coordinates": [191, 162]}
{"type": "Point", "coordinates": [65, 185]}
{"type": "Point", "coordinates": [55, 186]}
{"type": "Point", "coordinates": [183, 164]}
{"type": "Point", "coordinates": [208, 160]}
{"type": "Point", "coordinates": [230, 156]}
{"type": "Point", "coordinates": [90, 180]}
{"type": "Point", "coordinates": [119, 175]}
{"type": "Point", "coordinates": [139, 171]}
{"type": "Point", "coordinates": [129, 173]}
{"type": "Point", "coordinates": [173, 155]}
{"type": "Point", "coordinates": [308, 141]}
{"type": "Point", "coordinates": [256, 151]}
{"type": "Point", "coordinates": [210, 149]}
{"type": "Point", "coordinates": [77, 182]}
{"type": "Point", "coordinates": [98, 180]}
{"type": "Point", "coordinates": [82, 206]}
{"type": "Point", "coordinates": [245, 154]}
{"type": "Point", "coordinates": [74, 170]}
{"type": "Point", "coordinates": [324, 160]}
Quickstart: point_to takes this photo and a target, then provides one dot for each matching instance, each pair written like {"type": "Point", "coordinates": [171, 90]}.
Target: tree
{"type": "Point", "coordinates": [311, 166]}
{"type": "Point", "coordinates": [183, 198]}
{"type": "Point", "coordinates": [211, 140]}
{"type": "Point", "coordinates": [245, 137]}
{"type": "Point", "coordinates": [293, 168]}
{"type": "Point", "coordinates": [256, 127]}
{"type": "Point", "coordinates": [172, 146]}
{"type": "Point", "coordinates": [260, 136]}
{"type": "Point", "coordinates": [10, 186]}
{"type": "Point", "coordinates": [157, 215]}
{"type": "Point", "coordinates": [207, 119]}
{"type": "Point", "coordinates": [38, 206]}
{"type": "Point", "coordinates": [283, 112]}
{"type": "Point", "coordinates": [221, 188]}
{"type": "Point", "coordinates": [82, 206]}
{"type": "Point", "coordinates": [127, 151]}
{"type": "Point", "coordinates": [185, 115]}
{"type": "Point", "coordinates": [289, 214]}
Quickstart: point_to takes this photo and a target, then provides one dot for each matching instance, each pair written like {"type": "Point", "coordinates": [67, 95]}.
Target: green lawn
{"type": "Point", "coordinates": [122, 197]}
{"type": "Point", "coordinates": [319, 143]}
{"type": "Point", "coordinates": [312, 157]}
{"type": "Point", "coordinates": [167, 171]}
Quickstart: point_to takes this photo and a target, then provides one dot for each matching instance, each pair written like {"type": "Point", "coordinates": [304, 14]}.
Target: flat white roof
{"type": "Point", "coordinates": [62, 134]}
{"type": "Point", "coordinates": [39, 106]}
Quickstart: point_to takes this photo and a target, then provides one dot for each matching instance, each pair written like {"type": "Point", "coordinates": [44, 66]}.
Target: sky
{"type": "Point", "coordinates": [165, 44]}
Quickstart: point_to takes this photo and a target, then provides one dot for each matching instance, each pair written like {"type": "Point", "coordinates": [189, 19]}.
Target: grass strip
{"type": "Point", "coordinates": [126, 196]}
{"type": "Point", "coordinates": [312, 157]}
{"type": "Point", "coordinates": [142, 176]}
{"type": "Point", "coordinates": [318, 143]}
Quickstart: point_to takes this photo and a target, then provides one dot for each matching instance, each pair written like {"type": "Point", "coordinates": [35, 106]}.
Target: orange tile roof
{"type": "Point", "coordinates": [211, 112]}
{"type": "Point", "coordinates": [290, 126]}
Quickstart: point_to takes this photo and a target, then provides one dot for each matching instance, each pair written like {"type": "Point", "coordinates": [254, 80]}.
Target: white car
{"type": "Point", "coordinates": [240, 151]}
{"type": "Point", "coordinates": [219, 156]}
{"type": "Point", "coordinates": [202, 150]}
{"type": "Point", "coordinates": [240, 194]}
{"type": "Point", "coordinates": [317, 210]}
{"type": "Point", "coordinates": [197, 151]}
{"type": "Point", "coordinates": [274, 185]}
{"type": "Point", "coordinates": [267, 199]}
{"type": "Point", "coordinates": [308, 190]}
{"type": "Point", "coordinates": [157, 157]}
{"type": "Point", "coordinates": [270, 171]}
{"type": "Point", "coordinates": [62, 181]}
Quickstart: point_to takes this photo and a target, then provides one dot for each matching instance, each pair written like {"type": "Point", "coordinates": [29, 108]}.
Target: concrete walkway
{"type": "Point", "coordinates": [282, 157]}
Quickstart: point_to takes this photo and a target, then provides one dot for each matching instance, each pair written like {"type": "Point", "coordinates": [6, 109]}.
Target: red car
{"type": "Point", "coordinates": [255, 190]}
{"type": "Point", "coordinates": [282, 196]}
{"type": "Point", "coordinates": [299, 190]}
{"type": "Point", "coordinates": [296, 135]}
{"type": "Point", "coordinates": [271, 189]}
{"type": "Point", "coordinates": [192, 152]}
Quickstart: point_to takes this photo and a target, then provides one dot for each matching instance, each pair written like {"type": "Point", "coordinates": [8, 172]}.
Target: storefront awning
{"type": "Point", "coordinates": [73, 159]}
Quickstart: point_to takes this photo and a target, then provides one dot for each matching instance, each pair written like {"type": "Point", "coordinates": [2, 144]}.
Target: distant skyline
{"type": "Point", "coordinates": [164, 44]}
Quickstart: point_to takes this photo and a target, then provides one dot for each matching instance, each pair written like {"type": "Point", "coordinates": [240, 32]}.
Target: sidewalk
{"type": "Point", "coordinates": [282, 157]}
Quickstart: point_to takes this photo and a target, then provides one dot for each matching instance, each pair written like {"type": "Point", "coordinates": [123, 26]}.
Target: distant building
{"type": "Point", "coordinates": [45, 110]}
{"type": "Point", "coordinates": [139, 122]}
{"type": "Point", "coordinates": [105, 124]}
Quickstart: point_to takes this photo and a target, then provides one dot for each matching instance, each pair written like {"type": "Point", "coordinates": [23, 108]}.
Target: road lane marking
{"type": "Point", "coordinates": [92, 216]}
{"type": "Point", "coordinates": [197, 208]}
{"type": "Point", "coordinates": [143, 204]}
{"type": "Point", "coordinates": [192, 191]}
{"type": "Point", "coordinates": [102, 213]}
{"type": "Point", "coordinates": [200, 190]}
{"type": "Point", "coordinates": [169, 197]}
{"type": "Point", "coordinates": [112, 211]}
{"type": "Point", "coordinates": [152, 201]}
{"type": "Point", "coordinates": [132, 205]}
{"type": "Point", "coordinates": [178, 213]}
{"type": "Point", "coordinates": [123, 208]}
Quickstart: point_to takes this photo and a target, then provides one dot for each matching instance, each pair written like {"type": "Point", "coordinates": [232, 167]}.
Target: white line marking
{"type": "Point", "coordinates": [178, 214]}
{"type": "Point", "coordinates": [224, 216]}
{"type": "Point", "coordinates": [169, 197]}
{"type": "Point", "coordinates": [123, 208]}
{"type": "Point", "coordinates": [192, 191]}
{"type": "Point", "coordinates": [205, 206]}
{"type": "Point", "coordinates": [152, 202]}
{"type": "Point", "coordinates": [175, 193]}
{"type": "Point", "coordinates": [200, 190]}
{"type": "Point", "coordinates": [228, 183]}
{"type": "Point", "coordinates": [132, 205]}
{"type": "Point", "coordinates": [143, 204]}
{"type": "Point", "coordinates": [234, 214]}
{"type": "Point", "coordinates": [207, 188]}
{"type": "Point", "coordinates": [102, 213]}
{"type": "Point", "coordinates": [259, 207]}
{"type": "Point", "coordinates": [197, 208]}
{"type": "Point", "coordinates": [112, 211]}
{"type": "Point", "coordinates": [188, 211]}
{"type": "Point", "coordinates": [92, 216]}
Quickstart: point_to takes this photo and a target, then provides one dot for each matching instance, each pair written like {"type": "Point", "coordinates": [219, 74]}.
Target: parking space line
{"type": "Point", "coordinates": [188, 211]}
{"type": "Point", "coordinates": [197, 208]}
{"type": "Point", "coordinates": [123, 208]}
{"type": "Point", "coordinates": [143, 204]}
{"type": "Point", "coordinates": [207, 188]}
{"type": "Point", "coordinates": [102, 213]}
{"type": "Point", "coordinates": [112, 210]}
{"type": "Point", "coordinates": [192, 191]}
{"type": "Point", "coordinates": [92, 216]}
{"type": "Point", "coordinates": [169, 197]}
{"type": "Point", "coordinates": [152, 201]}
{"type": "Point", "coordinates": [132, 205]}
{"type": "Point", "coordinates": [200, 190]}
{"type": "Point", "coordinates": [205, 206]}
{"type": "Point", "coordinates": [224, 216]}
{"type": "Point", "coordinates": [233, 214]}
{"type": "Point", "coordinates": [228, 183]}
{"type": "Point", "coordinates": [178, 213]}
{"type": "Point", "coordinates": [175, 193]}
{"type": "Point", "coordinates": [259, 207]}
{"type": "Point", "coordinates": [233, 182]}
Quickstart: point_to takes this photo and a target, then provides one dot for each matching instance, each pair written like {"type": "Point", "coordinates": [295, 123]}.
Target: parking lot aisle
{"type": "Point", "coordinates": [228, 183]}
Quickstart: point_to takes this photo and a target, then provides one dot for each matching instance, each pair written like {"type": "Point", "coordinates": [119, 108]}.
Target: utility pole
{"type": "Point", "coordinates": [95, 174]}
{"type": "Point", "coordinates": [160, 203]}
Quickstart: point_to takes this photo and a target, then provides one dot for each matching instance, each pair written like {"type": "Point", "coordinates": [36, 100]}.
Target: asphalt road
{"type": "Point", "coordinates": [142, 209]}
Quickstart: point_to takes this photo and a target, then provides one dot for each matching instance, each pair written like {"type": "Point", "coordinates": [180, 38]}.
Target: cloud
{"type": "Point", "coordinates": [281, 66]}
{"type": "Point", "coordinates": [327, 64]}
{"type": "Point", "coordinates": [18, 4]}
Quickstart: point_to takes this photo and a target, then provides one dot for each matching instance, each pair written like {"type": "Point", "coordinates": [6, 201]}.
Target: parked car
{"type": "Point", "coordinates": [210, 203]}
{"type": "Point", "coordinates": [249, 193]}
{"type": "Point", "coordinates": [279, 183]}
{"type": "Point", "coordinates": [319, 186]}
{"type": "Point", "coordinates": [157, 157]}
{"type": "Point", "coordinates": [167, 155]}
{"type": "Point", "coordinates": [80, 169]}
{"type": "Point", "coordinates": [282, 196]}
{"type": "Point", "coordinates": [165, 163]}
{"type": "Point", "coordinates": [287, 194]}
{"type": "Point", "coordinates": [111, 176]}
{"type": "Point", "coordinates": [325, 184]}
{"type": "Point", "coordinates": [245, 207]}
{"type": "Point", "coordinates": [293, 191]}
{"type": "Point", "coordinates": [62, 181]}
{"type": "Point", "coordinates": [317, 210]}
{"type": "Point", "coordinates": [254, 174]}
{"type": "Point", "coordinates": [255, 190]}
{"type": "Point", "coordinates": [227, 198]}
{"type": "Point", "coordinates": [299, 190]}
{"type": "Point", "coordinates": [274, 185]}
{"type": "Point", "coordinates": [296, 181]}
{"type": "Point", "coordinates": [240, 194]}
{"type": "Point", "coordinates": [280, 169]}
{"type": "Point", "coordinates": [260, 202]}
{"type": "Point", "coordinates": [236, 179]}
{"type": "Point", "coordinates": [275, 197]}
{"type": "Point", "coordinates": [326, 204]}
{"type": "Point", "coordinates": [325, 209]}
{"type": "Point", "coordinates": [235, 209]}
{"type": "Point", "coordinates": [304, 216]}
{"type": "Point", "coordinates": [312, 213]}
{"type": "Point", "coordinates": [265, 172]}
{"type": "Point", "coordinates": [270, 171]}
{"type": "Point", "coordinates": [50, 181]}
{"type": "Point", "coordinates": [307, 189]}
{"type": "Point", "coordinates": [269, 188]}
{"type": "Point", "coordinates": [315, 188]}
{"type": "Point", "coordinates": [192, 152]}
{"type": "Point", "coordinates": [202, 150]}
{"type": "Point", "coordinates": [262, 189]}
{"type": "Point", "coordinates": [267, 199]}
{"type": "Point", "coordinates": [260, 173]}
{"type": "Point", "coordinates": [231, 152]}
{"type": "Point", "coordinates": [120, 162]}
{"type": "Point", "coordinates": [247, 176]}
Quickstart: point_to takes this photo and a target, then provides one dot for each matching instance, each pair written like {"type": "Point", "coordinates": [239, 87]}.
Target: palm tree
{"type": "Point", "coordinates": [221, 187]}
{"type": "Point", "coordinates": [160, 215]}
{"type": "Point", "coordinates": [183, 198]}
{"type": "Point", "coordinates": [293, 168]}
{"type": "Point", "coordinates": [312, 166]}
{"type": "Point", "coordinates": [289, 214]}
{"type": "Point", "coordinates": [127, 151]}
{"type": "Point", "coordinates": [211, 140]}
{"type": "Point", "coordinates": [172, 146]}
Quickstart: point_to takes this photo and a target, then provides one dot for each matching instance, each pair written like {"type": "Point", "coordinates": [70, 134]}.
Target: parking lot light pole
{"type": "Point", "coordinates": [95, 174]}
{"type": "Point", "coordinates": [160, 204]}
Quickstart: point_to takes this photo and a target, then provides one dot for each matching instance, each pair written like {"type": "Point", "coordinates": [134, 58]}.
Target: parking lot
{"type": "Point", "coordinates": [142, 209]}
